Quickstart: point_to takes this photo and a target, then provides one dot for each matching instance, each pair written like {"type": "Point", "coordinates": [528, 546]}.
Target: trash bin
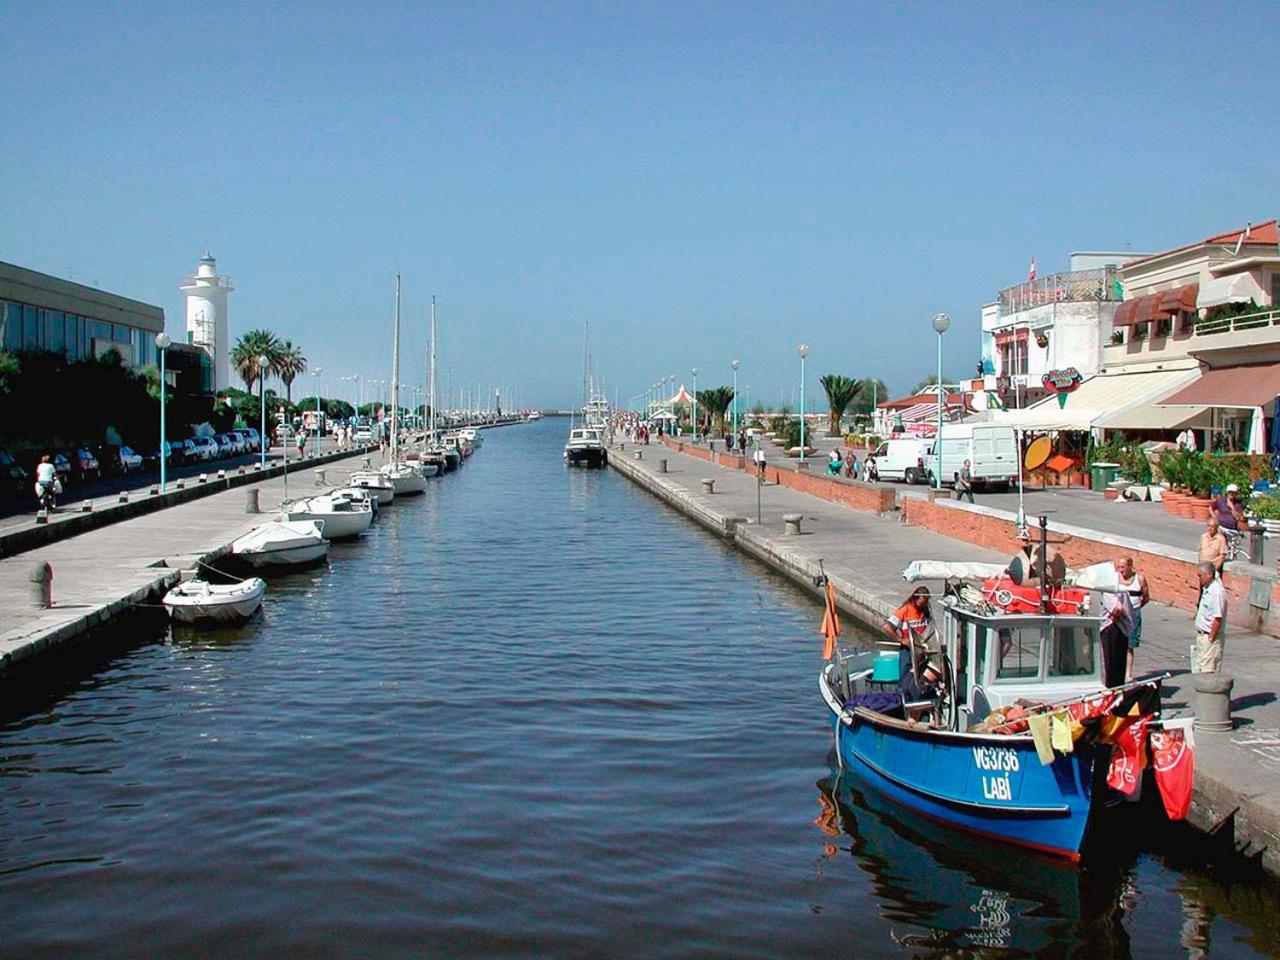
{"type": "Point", "coordinates": [1103, 474]}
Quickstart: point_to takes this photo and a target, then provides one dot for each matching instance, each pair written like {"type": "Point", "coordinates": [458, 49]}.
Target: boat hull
{"type": "Point", "coordinates": [299, 556]}
{"type": "Point", "coordinates": [407, 482]}
{"type": "Point", "coordinates": [990, 785]}
{"type": "Point", "coordinates": [217, 607]}
{"type": "Point", "coordinates": [374, 484]}
{"type": "Point", "coordinates": [586, 457]}
{"type": "Point", "coordinates": [340, 525]}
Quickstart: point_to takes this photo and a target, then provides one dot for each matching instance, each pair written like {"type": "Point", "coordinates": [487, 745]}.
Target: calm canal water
{"type": "Point", "coordinates": [531, 713]}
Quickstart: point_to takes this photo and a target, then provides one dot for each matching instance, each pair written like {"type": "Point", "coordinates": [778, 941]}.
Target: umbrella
{"type": "Point", "coordinates": [1257, 434]}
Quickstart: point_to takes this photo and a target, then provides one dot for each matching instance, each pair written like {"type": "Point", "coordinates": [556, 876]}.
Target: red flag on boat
{"type": "Point", "coordinates": [1128, 756]}
{"type": "Point", "coordinates": [830, 624]}
{"type": "Point", "coordinates": [1175, 765]}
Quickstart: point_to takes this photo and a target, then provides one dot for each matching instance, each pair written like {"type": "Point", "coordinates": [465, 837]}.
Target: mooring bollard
{"type": "Point", "coordinates": [708, 485]}
{"type": "Point", "coordinates": [791, 522]}
{"type": "Point", "coordinates": [366, 463]}
{"type": "Point", "coordinates": [320, 480]}
{"type": "Point", "coordinates": [662, 466]}
{"type": "Point", "coordinates": [41, 578]}
{"type": "Point", "coordinates": [1213, 701]}
{"type": "Point", "coordinates": [251, 501]}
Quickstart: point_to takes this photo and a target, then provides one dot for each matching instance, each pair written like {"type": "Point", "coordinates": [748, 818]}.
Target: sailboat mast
{"type": "Point", "coordinates": [431, 377]}
{"type": "Point", "coordinates": [395, 379]}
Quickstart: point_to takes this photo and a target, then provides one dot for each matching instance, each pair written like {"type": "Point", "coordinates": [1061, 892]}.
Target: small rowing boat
{"type": "Point", "coordinates": [282, 544]}
{"type": "Point", "coordinates": [200, 602]}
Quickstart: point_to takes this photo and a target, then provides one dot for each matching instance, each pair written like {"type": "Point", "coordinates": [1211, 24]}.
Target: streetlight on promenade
{"type": "Point", "coordinates": [735, 365]}
{"type": "Point", "coordinates": [803, 350]}
{"type": "Point", "coordinates": [319, 441]}
{"type": "Point", "coordinates": [263, 363]}
{"type": "Point", "coordinates": [695, 404]}
{"type": "Point", "coordinates": [162, 344]}
{"type": "Point", "coordinates": [941, 323]}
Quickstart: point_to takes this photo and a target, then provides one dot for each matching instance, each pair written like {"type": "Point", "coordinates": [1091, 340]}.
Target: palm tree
{"type": "Point", "coordinates": [715, 402]}
{"type": "Point", "coordinates": [288, 365]}
{"type": "Point", "coordinates": [840, 393]}
{"type": "Point", "coordinates": [249, 347]}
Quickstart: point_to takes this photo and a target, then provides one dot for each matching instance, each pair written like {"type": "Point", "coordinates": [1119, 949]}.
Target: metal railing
{"type": "Point", "coordinates": [1072, 287]}
{"type": "Point", "coordinates": [195, 280]}
{"type": "Point", "coordinates": [1241, 321]}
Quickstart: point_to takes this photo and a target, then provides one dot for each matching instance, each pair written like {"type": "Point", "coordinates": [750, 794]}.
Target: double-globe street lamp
{"type": "Point", "coordinates": [941, 323]}
{"type": "Point", "coordinates": [803, 350]}
{"type": "Point", "coordinates": [263, 363]}
{"type": "Point", "coordinates": [162, 344]}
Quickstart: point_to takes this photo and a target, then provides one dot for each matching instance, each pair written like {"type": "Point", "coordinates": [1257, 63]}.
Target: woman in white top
{"type": "Point", "coordinates": [1135, 584]}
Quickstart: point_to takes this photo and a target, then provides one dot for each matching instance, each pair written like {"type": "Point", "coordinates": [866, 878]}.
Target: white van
{"type": "Point", "coordinates": [902, 459]}
{"type": "Point", "coordinates": [991, 449]}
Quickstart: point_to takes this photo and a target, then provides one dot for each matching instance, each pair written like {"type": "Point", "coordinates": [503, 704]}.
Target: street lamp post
{"type": "Point", "coordinates": [319, 441]}
{"type": "Point", "coordinates": [263, 363]}
{"type": "Point", "coordinates": [162, 344]}
{"type": "Point", "coordinates": [803, 350]}
{"type": "Point", "coordinates": [695, 404]}
{"type": "Point", "coordinates": [735, 365]}
{"type": "Point", "coordinates": [941, 323]}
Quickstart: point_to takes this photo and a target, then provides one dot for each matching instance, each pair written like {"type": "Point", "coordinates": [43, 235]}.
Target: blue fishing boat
{"type": "Point", "coordinates": [963, 755]}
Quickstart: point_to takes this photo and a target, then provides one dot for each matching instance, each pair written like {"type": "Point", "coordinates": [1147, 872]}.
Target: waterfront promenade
{"type": "Point", "coordinates": [1238, 774]}
{"type": "Point", "coordinates": [99, 573]}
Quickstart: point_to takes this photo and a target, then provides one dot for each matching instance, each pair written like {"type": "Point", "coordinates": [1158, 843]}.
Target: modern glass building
{"type": "Point", "coordinates": [43, 313]}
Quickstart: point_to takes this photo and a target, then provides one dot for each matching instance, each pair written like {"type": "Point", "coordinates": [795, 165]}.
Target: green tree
{"type": "Point", "coordinates": [288, 365]}
{"type": "Point", "coordinates": [715, 402]}
{"type": "Point", "coordinates": [840, 393]}
{"type": "Point", "coordinates": [871, 391]}
{"type": "Point", "coordinates": [244, 355]}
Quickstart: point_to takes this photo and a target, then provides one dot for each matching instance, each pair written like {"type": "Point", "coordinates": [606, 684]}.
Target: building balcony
{"type": "Point", "coordinates": [1253, 337]}
{"type": "Point", "coordinates": [1076, 286]}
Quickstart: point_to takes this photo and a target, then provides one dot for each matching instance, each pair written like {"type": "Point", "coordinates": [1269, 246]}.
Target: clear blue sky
{"type": "Point", "coordinates": [699, 180]}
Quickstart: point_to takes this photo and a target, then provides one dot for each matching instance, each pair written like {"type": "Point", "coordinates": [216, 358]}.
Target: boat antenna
{"type": "Point", "coordinates": [395, 378]}
{"type": "Point", "coordinates": [431, 386]}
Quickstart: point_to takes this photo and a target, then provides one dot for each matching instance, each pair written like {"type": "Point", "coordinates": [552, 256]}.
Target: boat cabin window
{"type": "Point", "coordinates": [1019, 652]}
{"type": "Point", "coordinates": [1071, 654]}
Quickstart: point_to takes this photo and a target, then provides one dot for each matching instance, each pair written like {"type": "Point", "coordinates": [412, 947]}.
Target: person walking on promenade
{"type": "Point", "coordinates": [1135, 585]}
{"type": "Point", "coordinates": [964, 483]}
{"type": "Point", "coordinates": [1211, 619]}
{"type": "Point", "coordinates": [911, 625]}
{"type": "Point", "coordinates": [1117, 614]}
{"type": "Point", "coordinates": [302, 443]}
{"type": "Point", "coordinates": [1213, 546]}
{"type": "Point", "coordinates": [758, 457]}
{"type": "Point", "coordinates": [742, 442]}
{"type": "Point", "coordinates": [728, 441]}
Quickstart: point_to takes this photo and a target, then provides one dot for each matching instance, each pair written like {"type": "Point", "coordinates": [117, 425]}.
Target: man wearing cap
{"type": "Point", "coordinates": [1228, 509]}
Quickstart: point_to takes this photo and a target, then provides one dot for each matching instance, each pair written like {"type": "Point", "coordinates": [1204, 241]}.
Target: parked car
{"type": "Point", "coordinates": [62, 464]}
{"type": "Point", "coordinates": [202, 448]}
{"type": "Point", "coordinates": [363, 435]}
{"type": "Point", "coordinates": [903, 459]}
{"type": "Point", "coordinates": [190, 451]}
{"type": "Point", "coordinates": [226, 446]}
{"type": "Point", "coordinates": [13, 478]}
{"type": "Point", "coordinates": [83, 464]}
{"type": "Point", "coordinates": [255, 440]}
{"type": "Point", "coordinates": [176, 454]}
{"type": "Point", "coordinates": [240, 440]}
{"type": "Point", "coordinates": [129, 461]}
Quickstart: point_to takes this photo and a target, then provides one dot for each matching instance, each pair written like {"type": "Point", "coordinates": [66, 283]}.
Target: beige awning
{"type": "Point", "coordinates": [1150, 416]}
{"type": "Point", "coordinates": [1104, 396]}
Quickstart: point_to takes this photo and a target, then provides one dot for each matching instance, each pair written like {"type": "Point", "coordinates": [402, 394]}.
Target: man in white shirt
{"type": "Point", "coordinates": [1117, 615]}
{"type": "Point", "coordinates": [1211, 620]}
{"type": "Point", "coordinates": [758, 457]}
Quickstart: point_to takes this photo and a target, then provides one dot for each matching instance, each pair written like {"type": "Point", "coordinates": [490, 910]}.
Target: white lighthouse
{"type": "Point", "coordinates": [207, 316]}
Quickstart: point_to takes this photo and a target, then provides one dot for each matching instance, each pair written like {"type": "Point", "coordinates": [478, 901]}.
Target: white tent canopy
{"type": "Point", "coordinates": [1233, 288]}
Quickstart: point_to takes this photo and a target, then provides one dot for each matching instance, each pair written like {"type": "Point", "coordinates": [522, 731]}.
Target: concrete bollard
{"type": "Point", "coordinates": [154, 490]}
{"type": "Point", "coordinates": [366, 463]}
{"type": "Point", "coordinates": [222, 474]}
{"type": "Point", "coordinates": [791, 522]}
{"type": "Point", "coordinates": [86, 506]}
{"type": "Point", "coordinates": [639, 454]}
{"type": "Point", "coordinates": [708, 485]}
{"type": "Point", "coordinates": [202, 478]}
{"type": "Point", "coordinates": [240, 470]}
{"type": "Point", "coordinates": [124, 497]}
{"type": "Point", "coordinates": [1213, 702]}
{"type": "Point", "coordinates": [41, 577]}
{"type": "Point", "coordinates": [251, 501]}
{"type": "Point", "coordinates": [179, 484]}
{"type": "Point", "coordinates": [662, 466]}
{"type": "Point", "coordinates": [42, 516]}
{"type": "Point", "coordinates": [320, 480]}
{"type": "Point", "coordinates": [802, 465]}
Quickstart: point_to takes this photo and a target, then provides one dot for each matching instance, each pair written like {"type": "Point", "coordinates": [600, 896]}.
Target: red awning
{"type": "Point", "coordinates": [1124, 313]}
{"type": "Point", "coordinates": [1179, 298]}
{"type": "Point", "coordinates": [1256, 385]}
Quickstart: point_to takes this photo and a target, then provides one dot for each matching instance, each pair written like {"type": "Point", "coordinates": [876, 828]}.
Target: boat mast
{"type": "Point", "coordinates": [431, 377]}
{"type": "Point", "coordinates": [395, 379]}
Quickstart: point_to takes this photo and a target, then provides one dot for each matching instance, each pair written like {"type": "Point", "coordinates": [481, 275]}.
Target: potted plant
{"type": "Point", "coordinates": [1267, 510]}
